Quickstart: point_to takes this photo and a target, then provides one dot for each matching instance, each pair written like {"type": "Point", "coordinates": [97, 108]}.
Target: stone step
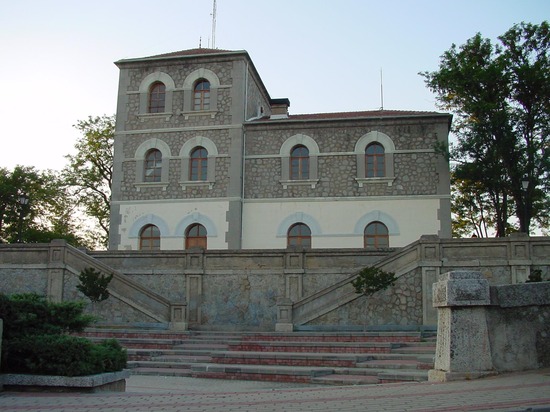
{"type": "Point", "coordinates": [289, 358]}
{"type": "Point", "coordinates": [146, 343]}
{"type": "Point", "coordinates": [156, 364]}
{"type": "Point", "coordinates": [146, 354]}
{"type": "Point", "coordinates": [335, 337]}
{"type": "Point", "coordinates": [184, 372]}
{"type": "Point", "coordinates": [197, 347]}
{"type": "Point", "coordinates": [329, 347]}
{"type": "Point", "coordinates": [394, 364]}
{"type": "Point", "coordinates": [403, 376]}
{"type": "Point", "coordinates": [336, 379]}
{"type": "Point", "coordinates": [352, 358]}
{"type": "Point", "coordinates": [259, 372]}
{"type": "Point", "coordinates": [425, 349]}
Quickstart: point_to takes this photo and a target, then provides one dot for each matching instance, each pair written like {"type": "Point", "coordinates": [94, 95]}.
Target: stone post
{"type": "Point", "coordinates": [463, 350]}
{"type": "Point", "coordinates": [178, 317]}
{"type": "Point", "coordinates": [284, 316]}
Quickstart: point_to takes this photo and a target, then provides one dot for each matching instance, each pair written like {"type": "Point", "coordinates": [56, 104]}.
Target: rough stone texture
{"type": "Point", "coordinates": [112, 382]}
{"type": "Point", "coordinates": [461, 288]}
{"type": "Point", "coordinates": [240, 289]}
{"type": "Point", "coordinates": [478, 335]}
{"type": "Point", "coordinates": [415, 173]}
{"type": "Point", "coordinates": [400, 305]}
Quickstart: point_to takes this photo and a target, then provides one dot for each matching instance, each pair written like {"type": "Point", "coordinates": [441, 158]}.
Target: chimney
{"type": "Point", "coordinates": [279, 108]}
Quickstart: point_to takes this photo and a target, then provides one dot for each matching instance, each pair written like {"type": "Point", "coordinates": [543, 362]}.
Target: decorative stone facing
{"type": "Point", "coordinates": [415, 173]}
{"type": "Point", "coordinates": [178, 72]}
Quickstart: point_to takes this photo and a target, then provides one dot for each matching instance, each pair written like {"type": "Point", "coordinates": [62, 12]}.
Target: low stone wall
{"type": "Point", "coordinates": [104, 382]}
{"type": "Point", "coordinates": [483, 329]}
{"type": "Point", "coordinates": [240, 289]}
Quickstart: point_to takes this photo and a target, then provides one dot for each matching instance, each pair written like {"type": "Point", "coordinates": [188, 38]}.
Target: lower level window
{"type": "Point", "coordinates": [299, 235]}
{"type": "Point", "coordinates": [195, 237]}
{"type": "Point", "coordinates": [376, 235]}
{"type": "Point", "coordinates": [149, 238]}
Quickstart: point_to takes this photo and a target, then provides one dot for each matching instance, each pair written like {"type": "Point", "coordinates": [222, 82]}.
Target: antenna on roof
{"type": "Point", "coordinates": [381, 91]}
{"type": "Point", "coordinates": [214, 25]}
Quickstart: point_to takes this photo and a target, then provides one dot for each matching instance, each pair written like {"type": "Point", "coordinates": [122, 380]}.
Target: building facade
{"type": "Point", "coordinates": [204, 157]}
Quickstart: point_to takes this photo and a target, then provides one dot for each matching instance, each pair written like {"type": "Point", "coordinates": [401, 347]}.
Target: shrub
{"type": "Point", "coordinates": [35, 339]}
{"type": "Point", "coordinates": [94, 285]}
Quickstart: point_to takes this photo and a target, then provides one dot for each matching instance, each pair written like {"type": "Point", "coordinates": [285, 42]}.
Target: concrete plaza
{"type": "Point", "coordinates": [526, 391]}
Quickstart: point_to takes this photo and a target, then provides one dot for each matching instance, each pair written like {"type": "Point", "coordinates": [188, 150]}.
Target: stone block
{"type": "Point", "coordinates": [112, 382]}
{"type": "Point", "coordinates": [461, 288]}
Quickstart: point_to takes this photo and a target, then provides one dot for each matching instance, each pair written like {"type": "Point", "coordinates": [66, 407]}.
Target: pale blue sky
{"type": "Point", "coordinates": [325, 56]}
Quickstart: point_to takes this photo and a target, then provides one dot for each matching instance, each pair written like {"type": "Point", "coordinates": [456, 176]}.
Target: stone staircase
{"type": "Point", "coordinates": [338, 358]}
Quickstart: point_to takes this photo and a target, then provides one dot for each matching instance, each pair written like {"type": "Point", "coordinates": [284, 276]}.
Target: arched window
{"type": "Point", "coordinates": [299, 163]}
{"type": "Point", "coordinates": [195, 236]}
{"type": "Point", "coordinates": [153, 166]}
{"type": "Point", "coordinates": [376, 235]}
{"type": "Point", "coordinates": [149, 238]}
{"type": "Point", "coordinates": [198, 164]}
{"type": "Point", "coordinates": [299, 235]}
{"type": "Point", "coordinates": [374, 160]}
{"type": "Point", "coordinates": [201, 96]}
{"type": "Point", "coordinates": [157, 98]}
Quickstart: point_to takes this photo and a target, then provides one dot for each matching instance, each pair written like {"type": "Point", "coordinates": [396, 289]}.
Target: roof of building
{"type": "Point", "coordinates": [183, 53]}
{"type": "Point", "coordinates": [191, 52]}
{"type": "Point", "coordinates": [352, 115]}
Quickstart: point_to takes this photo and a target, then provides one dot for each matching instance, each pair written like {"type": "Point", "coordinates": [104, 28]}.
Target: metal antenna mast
{"type": "Point", "coordinates": [214, 25]}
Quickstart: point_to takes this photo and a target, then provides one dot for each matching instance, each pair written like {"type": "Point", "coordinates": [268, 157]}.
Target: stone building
{"type": "Point", "coordinates": [204, 157]}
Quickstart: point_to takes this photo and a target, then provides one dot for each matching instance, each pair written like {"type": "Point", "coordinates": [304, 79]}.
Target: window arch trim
{"type": "Point", "coordinates": [376, 216]}
{"type": "Point", "coordinates": [285, 153]}
{"type": "Point", "coordinates": [195, 218]}
{"type": "Point", "coordinates": [139, 156]}
{"type": "Point", "coordinates": [149, 219]}
{"type": "Point", "coordinates": [145, 88]}
{"type": "Point", "coordinates": [185, 155]}
{"type": "Point", "coordinates": [389, 150]}
{"type": "Point", "coordinates": [299, 217]}
{"type": "Point", "coordinates": [189, 92]}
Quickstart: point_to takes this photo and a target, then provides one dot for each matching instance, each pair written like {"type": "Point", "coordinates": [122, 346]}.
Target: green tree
{"type": "Point", "coordinates": [471, 209]}
{"type": "Point", "coordinates": [89, 172]}
{"type": "Point", "coordinates": [48, 214]}
{"type": "Point", "coordinates": [500, 95]}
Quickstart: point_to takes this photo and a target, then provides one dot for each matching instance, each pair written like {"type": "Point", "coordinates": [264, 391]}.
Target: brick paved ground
{"type": "Point", "coordinates": [528, 391]}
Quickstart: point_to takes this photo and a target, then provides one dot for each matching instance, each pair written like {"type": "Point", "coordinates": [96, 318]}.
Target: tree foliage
{"type": "Point", "coordinates": [49, 213]}
{"type": "Point", "coordinates": [371, 280]}
{"type": "Point", "coordinates": [89, 172]}
{"type": "Point", "coordinates": [500, 94]}
{"type": "Point", "coordinates": [94, 285]}
{"type": "Point", "coordinates": [36, 339]}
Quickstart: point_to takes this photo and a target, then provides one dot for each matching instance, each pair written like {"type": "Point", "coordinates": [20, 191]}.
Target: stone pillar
{"type": "Point", "coordinates": [463, 350]}
{"type": "Point", "coordinates": [284, 316]}
{"type": "Point", "coordinates": [56, 270]}
{"type": "Point", "coordinates": [178, 317]}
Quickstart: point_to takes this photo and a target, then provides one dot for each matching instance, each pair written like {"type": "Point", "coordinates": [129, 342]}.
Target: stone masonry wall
{"type": "Point", "coordinates": [240, 289]}
{"type": "Point", "coordinates": [415, 163]}
{"type": "Point", "coordinates": [178, 72]}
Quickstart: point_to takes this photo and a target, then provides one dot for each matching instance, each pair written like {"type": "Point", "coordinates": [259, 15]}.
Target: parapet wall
{"type": "Point", "coordinates": [483, 329]}
{"type": "Point", "coordinates": [239, 290]}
